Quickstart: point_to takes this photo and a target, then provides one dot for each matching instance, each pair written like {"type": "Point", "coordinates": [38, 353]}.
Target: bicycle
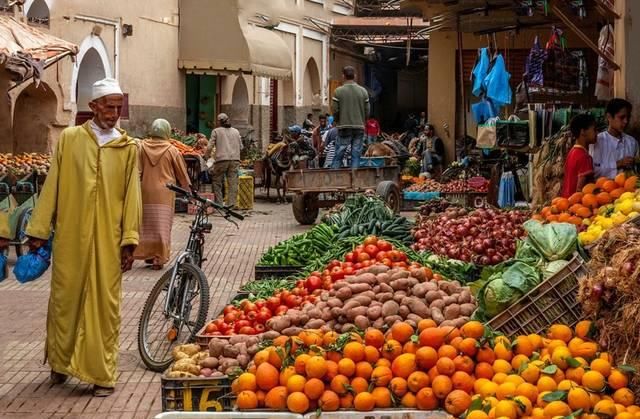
{"type": "Point", "coordinates": [179, 291]}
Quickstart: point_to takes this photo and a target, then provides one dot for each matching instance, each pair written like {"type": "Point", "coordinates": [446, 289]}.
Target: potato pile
{"type": "Point", "coordinates": [222, 357]}
{"type": "Point", "coordinates": [380, 296]}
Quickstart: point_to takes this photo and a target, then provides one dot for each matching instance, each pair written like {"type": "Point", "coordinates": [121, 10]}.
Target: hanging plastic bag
{"type": "Point", "coordinates": [497, 83]}
{"type": "Point", "coordinates": [486, 137]}
{"type": "Point", "coordinates": [31, 266]}
{"type": "Point", "coordinates": [480, 70]}
{"type": "Point", "coordinates": [3, 266]}
{"type": "Point", "coordinates": [483, 110]}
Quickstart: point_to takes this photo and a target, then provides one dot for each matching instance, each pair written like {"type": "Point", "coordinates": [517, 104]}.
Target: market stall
{"type": "Point", "coordinates": [351, 322]}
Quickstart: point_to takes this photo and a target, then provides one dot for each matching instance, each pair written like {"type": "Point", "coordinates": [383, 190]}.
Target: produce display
{"type": "Point", "coordinates": [24, 164]}
{"type": "Point", "coordinates": [540, 255]}
{"type": "Point", "coordinates": [433, 207]}
{"type": "Point", "coordinates": [409, 290]}
{"type": "Point", "coordinates": [465, 371]}
{"type": "Point", "coordinates": [221, 358]}
{"type": "Point", "coordinates": [483, 236]}
{"type": "Point", "coordinates": [364, 214]}
{"type": "Point", "coordinates": [379, 297]}
{"type": "Point", "coordinates": [301, 249]}
{"type": "Point", "coordinates": [597, 208]}
{"type": "Point", "coordinates": [610, 294]}
{"type": "Point", "coordinates": [477, 184]}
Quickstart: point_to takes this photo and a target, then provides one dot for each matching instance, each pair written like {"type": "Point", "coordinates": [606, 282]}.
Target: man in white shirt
{"type": "Point", "coordinates": [614, 151]}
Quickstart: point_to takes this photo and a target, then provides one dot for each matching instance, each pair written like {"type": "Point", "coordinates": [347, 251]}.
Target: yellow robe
{"type": "Point", "coordinates": [92, 197]}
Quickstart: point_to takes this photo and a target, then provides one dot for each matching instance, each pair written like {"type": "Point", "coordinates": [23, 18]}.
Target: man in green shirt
{"type": "Point", "coordinates": [351, 108]}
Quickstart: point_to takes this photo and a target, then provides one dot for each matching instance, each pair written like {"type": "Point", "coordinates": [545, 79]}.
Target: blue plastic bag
{"type": "Point", "coordinates": [3, 266]}
{"type": "Point", "coordinates": [497, 83]}
{"type": "Point", "coordinates": [480, 71]}
{"type": "Point", "coordinates": [31, 266]}
{"type": "Point", "coordinates": [483, 110]}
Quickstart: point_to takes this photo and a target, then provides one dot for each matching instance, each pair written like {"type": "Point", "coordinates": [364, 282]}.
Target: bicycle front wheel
{"type": "Point", "coordinates": [160, 332]}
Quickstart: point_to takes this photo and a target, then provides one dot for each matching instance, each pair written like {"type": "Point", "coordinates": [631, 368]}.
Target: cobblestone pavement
{"type": "Point", "coordinates": [25, 390]}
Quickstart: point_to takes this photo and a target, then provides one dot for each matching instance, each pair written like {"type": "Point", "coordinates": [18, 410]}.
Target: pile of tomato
{"type": "Point", "coordinates": [249, 318]}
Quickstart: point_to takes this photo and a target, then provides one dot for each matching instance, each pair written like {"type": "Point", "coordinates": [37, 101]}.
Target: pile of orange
{"type": "Point", "coordinates": [439, 368]}
{"type": "Point", "coordinates": [584, 204]}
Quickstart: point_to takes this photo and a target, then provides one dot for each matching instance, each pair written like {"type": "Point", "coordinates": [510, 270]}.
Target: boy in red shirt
{"type": "Point", "coordinates": [578, 168]}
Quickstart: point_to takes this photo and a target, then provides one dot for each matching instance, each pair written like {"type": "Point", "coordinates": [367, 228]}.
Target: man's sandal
{"type": "Point", "coordinates": [99, 391]}
{"type": "Point", "coordinates": [58, 378]}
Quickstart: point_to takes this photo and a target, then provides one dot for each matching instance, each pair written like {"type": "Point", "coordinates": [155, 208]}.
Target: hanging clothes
{"type": "Point", "coordinates": [496, 84]}
{"type": "Point", "coordinates": [604, 80]}
{"type": "Point", "coordinates": [480, 71]}
{"type": "Point", "coordinates": [534, 66]}
{"type": "Point", "coordinates": [507, 191]}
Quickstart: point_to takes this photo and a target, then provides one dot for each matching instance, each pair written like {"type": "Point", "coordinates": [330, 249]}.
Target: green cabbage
{"type": "Point", "coordinates": [505, 288]}
{"type": "Point", "coordinates": [553, 268]}
{"type": "Point", "coordinates": [553, 241]}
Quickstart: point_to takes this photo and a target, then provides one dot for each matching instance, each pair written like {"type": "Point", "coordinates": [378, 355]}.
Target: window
{"type": "Point", "coordinates": [38, 13]}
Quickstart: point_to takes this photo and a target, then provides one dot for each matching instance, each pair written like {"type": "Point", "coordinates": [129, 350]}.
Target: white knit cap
{"type": "Point", "coordinates": [105, 87]}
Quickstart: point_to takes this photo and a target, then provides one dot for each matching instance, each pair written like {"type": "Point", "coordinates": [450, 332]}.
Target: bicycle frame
{"type": "Point", "coordinates": [195, 239]}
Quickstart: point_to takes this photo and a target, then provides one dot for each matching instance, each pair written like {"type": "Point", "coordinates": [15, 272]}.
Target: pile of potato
{"type": "Point", "coordinates": [222, 357]}
{"type": "Point", "coordinates": [380, 296]}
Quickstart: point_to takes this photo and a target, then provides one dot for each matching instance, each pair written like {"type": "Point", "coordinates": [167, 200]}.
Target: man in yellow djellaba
{"type": "Point", "coordinates": [92, 201]}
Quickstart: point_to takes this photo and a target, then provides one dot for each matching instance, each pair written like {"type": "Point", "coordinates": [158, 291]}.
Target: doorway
{"type": "Point", "coordinates": [91, 70]}
{"type": "Point", "coordinates": [201, 103]}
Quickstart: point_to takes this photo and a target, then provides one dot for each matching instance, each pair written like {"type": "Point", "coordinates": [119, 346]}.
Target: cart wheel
{"type": "Point", "coordinates": [305, 208]}
{"type": "Point", "coordinates": [21, 228]}
{"type": "Point", "coordinates": [390, 193]}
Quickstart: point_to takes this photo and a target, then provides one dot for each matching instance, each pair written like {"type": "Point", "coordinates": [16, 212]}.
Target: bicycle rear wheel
{"type": "Point", "coordinates": [158, 333]}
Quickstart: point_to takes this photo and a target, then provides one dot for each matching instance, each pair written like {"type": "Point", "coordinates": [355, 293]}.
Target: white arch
{"type": "Point", "coordinates": [29, 3]}
{"type": "Point", "coordinates": [89, 42]}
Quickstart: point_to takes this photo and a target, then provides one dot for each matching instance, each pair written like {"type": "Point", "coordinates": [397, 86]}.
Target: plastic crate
{"type": "Point", "coordinates": [373, 161]}
{"type": "Point", "coordinates": [467, 199]}
{"type": "Point", "coordinates": [196, 394]}
{"type": "Point", "coordinates": [420, 196]}
{"type": "Point", "coordinates": [277, 271]}
{"type": "Point", "coordinates": [229, 415]}
{"type": "Point", "coordinates": [381, 414]}
{"type": "Point", "coordinates": [553, 301]}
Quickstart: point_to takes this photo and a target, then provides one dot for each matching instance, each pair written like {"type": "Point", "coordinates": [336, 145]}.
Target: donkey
{"type": "Point", "coordinates": [274, 168]}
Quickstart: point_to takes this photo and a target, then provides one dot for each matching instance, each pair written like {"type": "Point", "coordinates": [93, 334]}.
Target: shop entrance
{"type": "Point", "coordinates": [201, 103]}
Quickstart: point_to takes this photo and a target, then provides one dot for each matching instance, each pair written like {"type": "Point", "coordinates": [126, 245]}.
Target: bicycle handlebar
{"type": "Point", "coordinates": [209, 202]}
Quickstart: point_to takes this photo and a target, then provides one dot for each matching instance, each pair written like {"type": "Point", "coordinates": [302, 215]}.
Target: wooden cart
{"type": "Point", "coordinates": [323, 188]}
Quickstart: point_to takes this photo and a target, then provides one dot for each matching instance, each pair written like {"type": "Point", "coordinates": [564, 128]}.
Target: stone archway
{"type": "Point", "coordinates": [34, 114]}
{"type": "Point", "coordinates": [37, 11]}
{"type": "Point", "coordinates": [92, 64]}
{"type": "Point", "coordinates": [240, 102]}
{"type": "Point", "coordinates": [311, 84]}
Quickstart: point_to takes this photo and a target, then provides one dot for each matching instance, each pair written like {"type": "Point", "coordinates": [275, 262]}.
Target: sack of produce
{"type": "Point", "coordinates": [505, 287]}
{"type": "Point", "coordinates": [31, 266]}
{"type": "Point", "coordinates": [554, 241]}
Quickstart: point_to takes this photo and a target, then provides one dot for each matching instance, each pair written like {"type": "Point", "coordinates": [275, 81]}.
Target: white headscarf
{"type": "Point", "coordinates": [105, 87]}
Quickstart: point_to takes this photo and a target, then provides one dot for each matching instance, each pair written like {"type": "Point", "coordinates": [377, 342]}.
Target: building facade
{"type": "Point", "coordinates": [274, 67]}
{"type": "Point", "coordinates": [267, 63]}
{"type": "Point", "coordinates": [135, 44]}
